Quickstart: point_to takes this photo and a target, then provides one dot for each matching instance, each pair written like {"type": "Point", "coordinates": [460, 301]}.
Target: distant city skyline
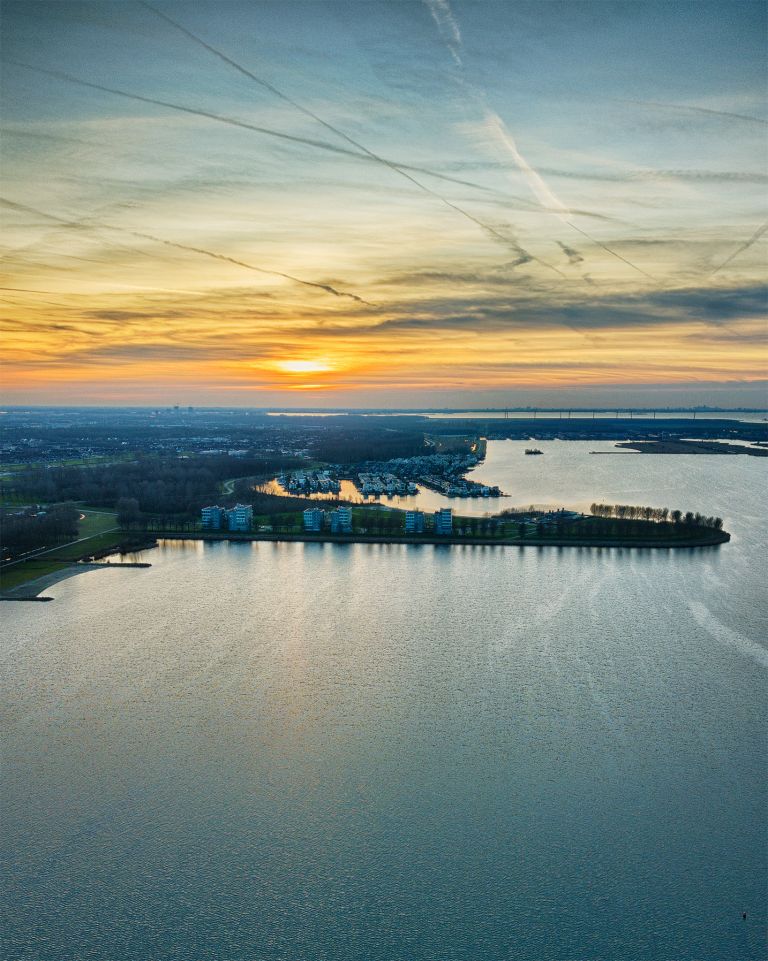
{"type": "Point", "coordinates": [420, 204]}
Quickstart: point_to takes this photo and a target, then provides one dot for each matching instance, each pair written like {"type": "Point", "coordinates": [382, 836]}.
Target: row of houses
{"type": "Point", "coordinates": [310, 482]}
{"type": "Point", "coordinates": [442, 523]}
{"type": "Point", "coordinates": [386, 483]}
{"type": "Point", "coordinates": [340, 520]}
{"type": "Point", "coordinates": [237, 518]}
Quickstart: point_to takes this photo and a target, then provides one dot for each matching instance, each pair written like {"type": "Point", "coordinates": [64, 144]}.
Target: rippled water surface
{"type": "Point", "coordinates": [288, 751]}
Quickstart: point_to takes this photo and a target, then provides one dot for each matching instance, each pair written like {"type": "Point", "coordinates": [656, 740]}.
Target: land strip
{"type": "Point", "coordinates": [691, 447]}
{"type": "Point", "coordinates": [704, 538]}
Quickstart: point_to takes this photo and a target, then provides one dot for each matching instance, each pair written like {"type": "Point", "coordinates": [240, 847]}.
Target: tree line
{"type": "Point", "coordinates": [658, 514]}
{"type": "Point", "coordinates": [159, 484]}
{"type": "Point", "coordinates": [363, 441]}
{"type": "Point", "coordinates": [22, 531]}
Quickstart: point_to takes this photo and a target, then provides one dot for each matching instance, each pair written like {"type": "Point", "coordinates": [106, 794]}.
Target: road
{"type": "Point", "coordinates": [31, 555]}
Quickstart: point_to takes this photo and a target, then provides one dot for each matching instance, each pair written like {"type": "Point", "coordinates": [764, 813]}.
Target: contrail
{"type": "Point", "coordinates": [370, 154]}
{"type": "Point", "coordinates": [279, 135]}
{"type": "Point", "coordinates": [196, 250]}
{"type": "Point", "coordinates": [706, 110]}
{"type": "Point", "coordinates": [540, 188]}
{"type": "Point", "coordinates": [446, 23]}
{"type": "Point", "coordinates": [609, 250]}
{"type": "Point", "coordinates": [740, 250]}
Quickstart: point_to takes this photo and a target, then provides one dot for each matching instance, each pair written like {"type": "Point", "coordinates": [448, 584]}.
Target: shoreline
{"type": "Point", "coordinates": [30, 590]}
{"type": "Point", "coordinates": [713, 539]}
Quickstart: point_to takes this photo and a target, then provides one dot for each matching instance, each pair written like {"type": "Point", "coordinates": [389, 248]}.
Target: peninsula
{"type": "Point", "coordinates": [77, 486]}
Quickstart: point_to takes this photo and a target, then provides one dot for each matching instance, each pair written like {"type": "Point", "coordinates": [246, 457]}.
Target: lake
{"type": "Point", "coordinates": [383, 752]}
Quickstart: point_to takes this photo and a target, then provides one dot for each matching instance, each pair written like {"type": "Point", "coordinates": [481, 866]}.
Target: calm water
{"type": "Point", "coordinates": [388, 753]}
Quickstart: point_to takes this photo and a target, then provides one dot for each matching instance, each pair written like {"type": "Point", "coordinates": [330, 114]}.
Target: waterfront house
{"type": "Point", "coordinates": [444, 521]}
{"type": "Point", "coordinates": [314, 519]}
{"type": "Point", "coordinates": [341, 520]}
{"type": "Point", "coordinates": [212, 518]}
{"type": "Point", "coordinates": [240, 517]}
{"type": "Point", "coordinates": [414, 522]}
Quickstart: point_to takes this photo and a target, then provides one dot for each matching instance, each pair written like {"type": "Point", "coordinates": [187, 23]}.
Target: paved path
{"type": "Point", "coordinates": [31, 555]}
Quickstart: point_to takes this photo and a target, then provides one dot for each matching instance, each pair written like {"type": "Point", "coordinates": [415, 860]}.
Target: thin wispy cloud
{"type": "Point", "coordinates": [574, 257]}
{"type": "Point", "coordinates": [360, 153]}
{"type": "Point", "coordinates": [523, 256]}
{"type": "Point", "coordinates": [220, 172]}
{"type": "Point", "coordinates": [79, 224]}
{"type": "Point", "coordinates": [740, 249]}
{"type": "Point", "coordinates": [448, 27]}
{"type": "Point", "coordinates": [497, 130]}
{"type": "Point", "coordinates": [706, 111]}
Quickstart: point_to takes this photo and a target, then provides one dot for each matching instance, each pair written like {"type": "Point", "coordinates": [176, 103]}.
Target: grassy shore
{"type": "Point", "coordinates": [691, 447]}
{"type": "Point", "coordinates": [98, 536]}
{"type": "Point", "coordinates": [100, 539]}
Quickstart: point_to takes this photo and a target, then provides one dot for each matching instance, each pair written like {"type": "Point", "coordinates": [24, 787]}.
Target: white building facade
{"type": "Point", "coordinates": [314, 518]}
{"type": "Point", "coordinates": [213, 518]}
{"type": "Point", "coordinates": [240, 517]}
{"type": "Point", "coordinates": [414, 522]}
{"type": "Point", "coordinates": [341, 520]}
{"type": "Point", "coordinates": [444, 521]}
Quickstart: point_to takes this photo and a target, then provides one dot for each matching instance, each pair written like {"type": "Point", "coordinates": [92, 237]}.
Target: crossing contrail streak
{"type": "Point", "coordinates": [187, 247]}
{"type": "Point", "coordinates": [389, 164]}
{"type": "Point", "coordinates": [740, 250]}
{"type": "Point", "coordinates": [538, 185]}
{"type": "Point", "coordinates": [704, 110]}
{"type": "Point", "coordinates": [448, 29]}
{"type": "Point", "coordinates": [609, 250]}
{"type": "Point", "coordinates": [279, 135]}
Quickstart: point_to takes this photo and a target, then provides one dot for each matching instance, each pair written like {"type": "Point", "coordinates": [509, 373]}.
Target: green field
{"type": "Point", "coordinates": [96, 526]}
{"type": "Point", "coordinates": [96, 522]}
{"type": "Point", "coordinates": [28, 571]}
{"type": "Point", "coordinates": [98, 460]}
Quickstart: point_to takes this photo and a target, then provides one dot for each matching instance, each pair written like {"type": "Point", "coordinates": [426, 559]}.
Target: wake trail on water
{"type": "Point", "coordinates": [726, 636]}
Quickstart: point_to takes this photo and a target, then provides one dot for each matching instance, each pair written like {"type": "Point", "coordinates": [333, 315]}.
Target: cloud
{"type": "Point", "coordinates": [706, 111]}
{"type": "Point", "coordinates": [517, 310]}
{"type": "Point", "coordinates": [134, 314]}
{"type": "Point", "coordinates": [574, 257]}
{"type": "Point", "coordinates": [328, 288]}
{"type": "Point", "coordinates": [447, 27]}
{"type": "Point", "coordinates": [442, 7]}
{"type": "Point", "coordinates": [497, 129]}
{"type": "Point", "coordinates": [740, 250]}
{"type": "Point", "coordinates": [686, 176]}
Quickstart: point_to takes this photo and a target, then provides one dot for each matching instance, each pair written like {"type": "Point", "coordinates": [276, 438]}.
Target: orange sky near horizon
{"type": "Point", "coordinates": [176, 231]}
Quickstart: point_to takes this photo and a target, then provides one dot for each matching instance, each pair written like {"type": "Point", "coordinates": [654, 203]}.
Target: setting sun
{"type": "Point", "coordinates": [304, 366]}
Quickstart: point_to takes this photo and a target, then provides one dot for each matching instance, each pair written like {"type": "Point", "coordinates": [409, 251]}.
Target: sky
{"type": "Point", "coordinates": [399, 204]}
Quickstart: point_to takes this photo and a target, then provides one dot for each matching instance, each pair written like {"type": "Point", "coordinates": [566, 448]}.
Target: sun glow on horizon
{"type": "Point", "coordinates": [168, 252]}
{"type": "Point", "coordinates": [304, 366]}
